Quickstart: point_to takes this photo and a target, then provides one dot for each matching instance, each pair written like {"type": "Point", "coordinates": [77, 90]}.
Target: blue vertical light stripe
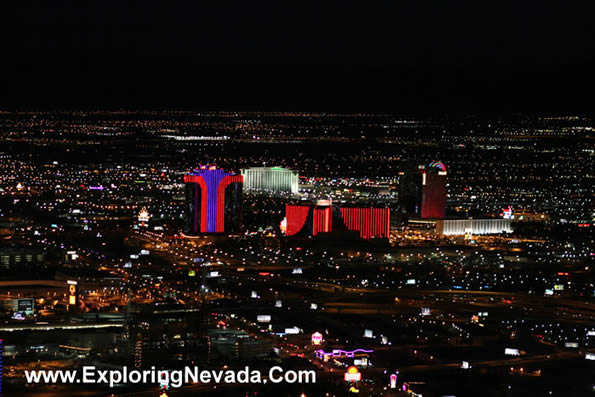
{"type": "Point", "coordinates": [212, 178]}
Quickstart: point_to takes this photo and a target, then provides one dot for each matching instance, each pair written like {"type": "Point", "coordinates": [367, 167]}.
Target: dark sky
{"type": "Point", "coordinates": [370, 55]}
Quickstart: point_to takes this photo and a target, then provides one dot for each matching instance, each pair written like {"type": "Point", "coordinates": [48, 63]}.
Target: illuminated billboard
{"type": "Point", "coordinates": [352, 374]}
{"type": "Point", "coordinates": [316, 338]}
{"type": "Point", "coordinates": [72, 292]}
{"type": "Point", "coordinates": [263, 318]}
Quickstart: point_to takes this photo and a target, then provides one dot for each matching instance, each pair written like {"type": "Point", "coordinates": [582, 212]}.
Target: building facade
{"type": "Point", "coordinates": [473, 226]}
{"type": "Point", "coordinates": [313, 220]}
{"type": "Point", "coordinates": [213, 201]}
{"type": "Point", "coordinates": [273, 179]}
{"type": "Point", "coordinates": [422, 191]}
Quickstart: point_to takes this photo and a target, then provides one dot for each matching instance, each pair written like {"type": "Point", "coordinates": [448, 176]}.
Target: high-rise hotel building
{"type": "Point", "coordinates": [213, 201]}
{"type": "Point", "coordinates": [272, 179]}
{"type": "Point", "coordinates": [422, 191]}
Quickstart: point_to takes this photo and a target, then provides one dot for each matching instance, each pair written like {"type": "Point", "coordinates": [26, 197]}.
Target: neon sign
{"type": "Point", "coordinates": [393, 381]}
{"type": "Point", "coordinates": [438, 164]}
{"type": "Point", "coordinates": [342, 353]}
{"type": "Point", "coordinates": [353, 374]}
{"type": "Point", "coordinates": [316, 338]}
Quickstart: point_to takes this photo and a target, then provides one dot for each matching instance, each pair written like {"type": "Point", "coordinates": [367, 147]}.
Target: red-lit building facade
{"type": "Point", "coordinates": [422, 191]}
{"type": "Point", "coordinates": [313, 220]}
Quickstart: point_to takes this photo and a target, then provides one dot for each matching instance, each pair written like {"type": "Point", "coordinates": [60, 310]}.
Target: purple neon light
{"type": "Point", "coordinates": [96, 187]}
{"type": "Point", "coordinates": [339, 352]}
{"type": "Point", "coordinates": [212, 178]}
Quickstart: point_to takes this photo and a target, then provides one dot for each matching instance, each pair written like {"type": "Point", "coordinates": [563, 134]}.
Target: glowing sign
{"type": "Point", "coordinates": [512, 352]}
{"type": "Point", "coordinates": [425, 311]}
{"type": "Point", "coordinates": [438, 164]}
{"type": "Point", "coordinates": [263, 318]}
{"type": "Point", "coordinates": [316, 338]}
{"type": "Point", "coordinates": [507, 213]}
{"type": "Point", "coordinates": [342, 353]}
{"type": "Point", "coordinates": [361, 362]}
{"type": "Point", "coordinates": [292, 331]}
{"type": "Point", "coordinates": [352, 374]}
{"type": "Point", "coordinates": [393, 381]}
{"type": "Point", "coordinates": [72, 291]}
{"type": "Point", "coordinates": [368, 333]}
{"type": "Point", "coordinates": [588, 356]}
{"type": "Point", "coordinates": [144, 216]}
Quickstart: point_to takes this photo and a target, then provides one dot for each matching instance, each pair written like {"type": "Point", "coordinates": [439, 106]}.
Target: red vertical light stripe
{"type": "Point", "coordinates": [203, 202]}
{"type": "Point", "coordinates": [223, 184]}
{"type": "Point", "coordinates": [370, 222]}
{"type": "Point", "coordinates": [296, 218]}
{"type": "Point", "coordinates": [322, 220]}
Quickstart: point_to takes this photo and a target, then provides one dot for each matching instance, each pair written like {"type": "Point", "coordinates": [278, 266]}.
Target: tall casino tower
{"type": "Point", "coordinates": [213, 201]}
{"type": "Point", "coordinates": [423, 191]}
{"type": "Point", "coordinates": [433, 202]}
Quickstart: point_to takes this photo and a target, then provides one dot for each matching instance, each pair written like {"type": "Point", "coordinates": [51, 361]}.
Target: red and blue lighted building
{"type": "Point", "coordinates": [213, 201]}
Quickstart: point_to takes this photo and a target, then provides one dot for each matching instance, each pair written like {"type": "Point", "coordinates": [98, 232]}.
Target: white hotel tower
{"type": "Point", "coordinates": [272, 179]}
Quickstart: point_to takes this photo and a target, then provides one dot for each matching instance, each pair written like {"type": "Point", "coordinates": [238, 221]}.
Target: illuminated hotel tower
{"type": "Point", "coordinates": [213, 201]}
{"type": "Point", "coordinates": [273, 179]}
{"type": "Point", "coordinates": [423, 191]}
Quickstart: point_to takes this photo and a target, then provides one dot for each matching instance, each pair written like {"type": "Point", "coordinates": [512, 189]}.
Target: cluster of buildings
{"type": "Point", "coordinates": [214, 205]}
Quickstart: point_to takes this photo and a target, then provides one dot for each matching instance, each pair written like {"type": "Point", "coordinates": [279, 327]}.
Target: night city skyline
{"type": "Point", "coordinates": [297, 200]}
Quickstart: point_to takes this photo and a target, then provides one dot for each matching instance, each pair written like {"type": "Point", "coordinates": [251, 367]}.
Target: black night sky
{"type": "Point", "coordinates": [299, 55]}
